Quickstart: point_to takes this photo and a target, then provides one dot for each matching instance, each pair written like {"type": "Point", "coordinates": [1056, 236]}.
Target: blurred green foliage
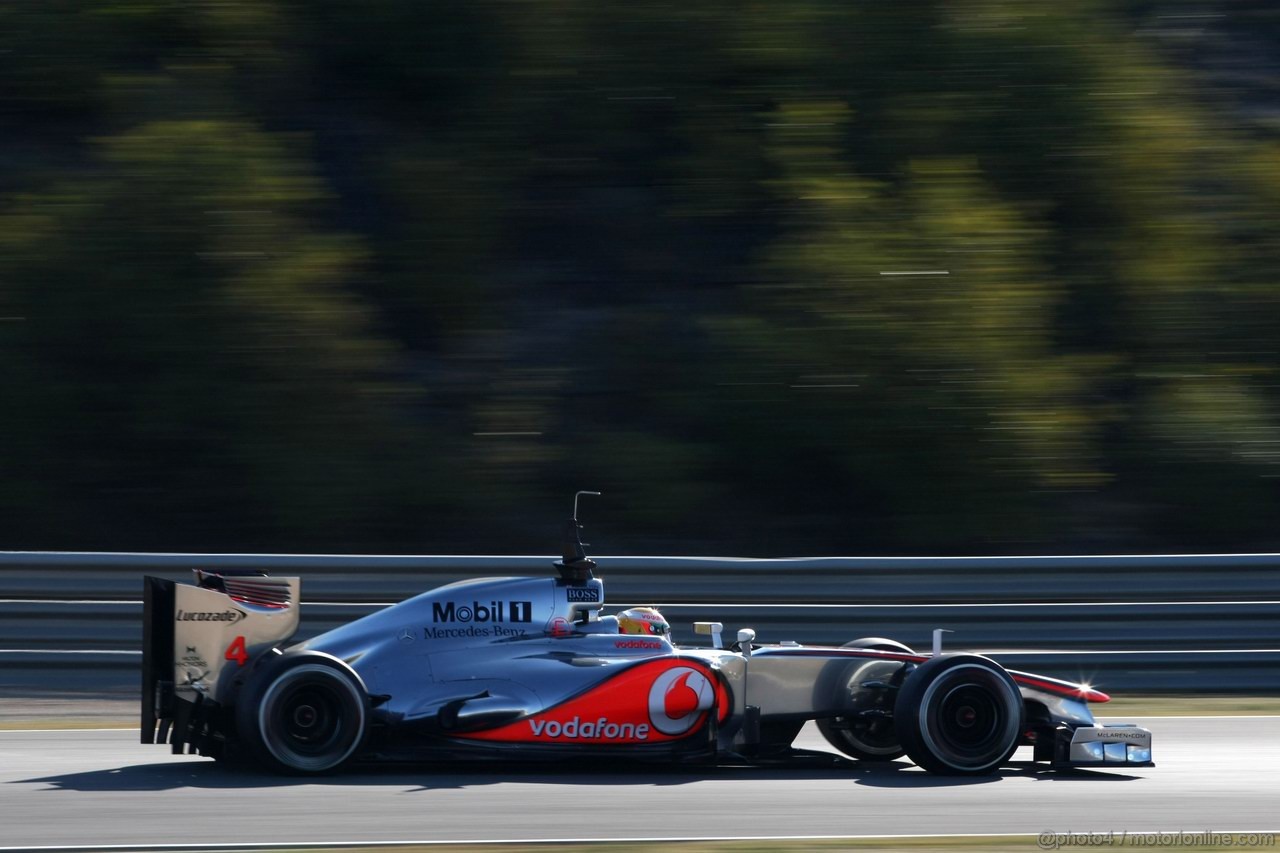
{"type": "Point", "coordinates": [931, 277]}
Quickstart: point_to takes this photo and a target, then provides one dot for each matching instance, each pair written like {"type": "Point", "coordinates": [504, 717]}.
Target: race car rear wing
{"type": "Point", "coordinates": [197, 638]}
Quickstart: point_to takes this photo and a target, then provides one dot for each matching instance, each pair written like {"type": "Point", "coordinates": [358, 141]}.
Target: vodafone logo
{"type": "Point", "coordinates": [677, 699]}
{"type": "Point", "coordinates": [649, 702]}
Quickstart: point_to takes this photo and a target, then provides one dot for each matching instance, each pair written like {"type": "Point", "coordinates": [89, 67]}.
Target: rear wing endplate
{"type": "Point", "coordinates": [157, 656]}
{"type": "Point", "coordinates": [199, 640]}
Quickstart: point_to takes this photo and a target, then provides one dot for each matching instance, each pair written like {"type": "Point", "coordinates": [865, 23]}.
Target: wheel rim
{"type": "Point", "coordinates": [969, 719]}
{"type": "Point", "coordinates": [310, 718]}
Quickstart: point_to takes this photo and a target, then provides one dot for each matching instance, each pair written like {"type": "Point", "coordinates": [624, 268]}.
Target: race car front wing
{"type": "Point", "coordinates": [1113, 745]}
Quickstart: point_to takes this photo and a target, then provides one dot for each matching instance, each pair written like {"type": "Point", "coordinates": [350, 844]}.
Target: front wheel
{"type": "Point", "coordinates": [304, 714]}
{"type": "Point", "coordinates": [959, 715]}
{"type": "Point", "coordinates": [866, 738]}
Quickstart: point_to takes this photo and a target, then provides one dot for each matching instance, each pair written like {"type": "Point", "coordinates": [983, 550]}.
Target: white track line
{"type": "Point", "coordinates": [691, 839]}
{"type": "Point", "coordinates": [70, 652]}
{"type": "Point", "coordinates": [124, 728]}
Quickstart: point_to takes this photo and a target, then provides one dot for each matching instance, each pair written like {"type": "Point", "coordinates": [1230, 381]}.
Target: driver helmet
{"type": "Point", "coordinates": [643, 620]}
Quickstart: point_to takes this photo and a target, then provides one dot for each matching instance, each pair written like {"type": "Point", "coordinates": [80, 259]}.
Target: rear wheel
{"type": "Point", "coordinates": [959, 715]}
{"type": "Point", "coordinates": [871, 735]}
{"type": "Point", "coordinates": [304, 714]}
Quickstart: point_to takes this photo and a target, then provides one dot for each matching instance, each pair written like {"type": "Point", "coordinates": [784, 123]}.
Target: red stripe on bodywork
{"type": "Point", "coordinates": [1062, 688]}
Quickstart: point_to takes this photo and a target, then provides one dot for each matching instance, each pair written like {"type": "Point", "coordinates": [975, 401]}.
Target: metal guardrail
{"type": "Point", "coordinates": [1165, 623]}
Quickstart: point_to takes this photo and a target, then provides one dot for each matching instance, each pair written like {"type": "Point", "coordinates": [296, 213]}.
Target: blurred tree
{"type": "Point", "coordinates": [929, 276]}
{"type": "Point", "coordinates": [185, 352]}
{"type": "Point", "coordinates": [905, 366]}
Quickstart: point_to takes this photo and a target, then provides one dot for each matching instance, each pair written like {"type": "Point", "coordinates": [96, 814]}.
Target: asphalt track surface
{"type": "Point", "coordinates": [97, 787]}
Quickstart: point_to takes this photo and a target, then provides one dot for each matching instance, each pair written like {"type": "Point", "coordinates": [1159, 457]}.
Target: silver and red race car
{"type": "Point", "coordinates": [517, 668]}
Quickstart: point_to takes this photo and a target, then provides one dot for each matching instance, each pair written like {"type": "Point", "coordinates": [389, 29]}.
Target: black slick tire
{"type": "Point", "coordinates": [304, 713]}
{"type": "Point", "coordinates": [959, 715]}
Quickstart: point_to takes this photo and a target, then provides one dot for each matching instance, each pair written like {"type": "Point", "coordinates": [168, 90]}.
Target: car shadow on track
{"type": "Point", "coordinates": [205, 774]}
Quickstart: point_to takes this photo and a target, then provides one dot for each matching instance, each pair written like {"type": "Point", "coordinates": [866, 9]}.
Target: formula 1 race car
{"type": "Point", "coordinates": [514, 668]}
